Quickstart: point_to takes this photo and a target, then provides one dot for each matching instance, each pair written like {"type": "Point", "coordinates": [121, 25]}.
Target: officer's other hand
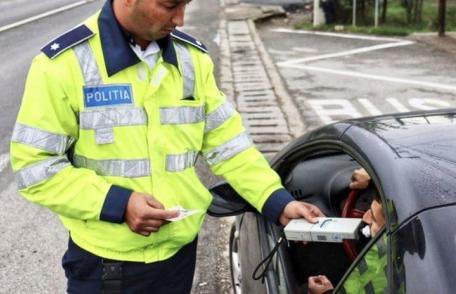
{"type": "Point", "coordinates": [360, 179]}
{"type": "Point", "coordinates": [298, 209]}
{"type": "Point", "coordinates": [145, 215]}
{"type": "Point", "coordinates": [319, 284]}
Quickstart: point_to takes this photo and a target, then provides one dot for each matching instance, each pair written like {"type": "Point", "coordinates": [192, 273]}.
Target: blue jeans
{"type": "Point", "coordinates": [174, 275]}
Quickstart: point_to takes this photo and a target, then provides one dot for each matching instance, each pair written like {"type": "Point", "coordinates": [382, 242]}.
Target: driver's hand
{"type": "Point", "coordinates": [298, 209]}
{"type": "Point", "coordinates": [360, 179]}
{"type": "Point", "coordinates": [319, 284]}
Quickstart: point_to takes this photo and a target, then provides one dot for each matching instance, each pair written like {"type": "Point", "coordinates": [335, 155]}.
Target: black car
{"type": "Point", "coordinates": [411, 158]}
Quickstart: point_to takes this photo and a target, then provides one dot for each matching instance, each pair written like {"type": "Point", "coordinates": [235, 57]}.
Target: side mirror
{"type": "Point", "coordinates": [227, 202]}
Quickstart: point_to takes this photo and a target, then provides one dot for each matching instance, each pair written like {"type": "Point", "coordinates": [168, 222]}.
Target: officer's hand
{"type": "Point", "coordinates": [360, 179]}
{"type": "Point", "coordinates": [298, 209]}
{"type": "Point", "coordinates": [145, 214]}
{"type": "Point", "coordinates": [319, 284]}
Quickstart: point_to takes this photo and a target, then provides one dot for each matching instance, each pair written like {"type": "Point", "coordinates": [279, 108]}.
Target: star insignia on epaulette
{"type": "Point", "coordinates": [67, 40]}
{"type": "Point", "coordinates": [55, 46]}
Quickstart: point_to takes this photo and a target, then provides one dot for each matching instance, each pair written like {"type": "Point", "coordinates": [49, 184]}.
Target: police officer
{"type": "Point", "coordinates": [114, 115]}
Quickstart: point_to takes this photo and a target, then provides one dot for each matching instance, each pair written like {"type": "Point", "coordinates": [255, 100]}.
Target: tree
{"type": "Point", "coordinates": [413, 10]}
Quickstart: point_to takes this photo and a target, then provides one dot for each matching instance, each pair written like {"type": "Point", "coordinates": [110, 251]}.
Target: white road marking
{"type": "Point", "coordinates": [369, 106]}
{"type": "Point", "coordinates": [346, 53]}
{"type": "Point", "coordinates": [328, 109]}
{"type": "Point", "coordinates": [4, 160]}
{"type": "Point", "coordinates": [395, 43]}
{"type": "Point", "coordinates": [304, 49]}
{"type": "Point", "coordinates": [337, 35]}
{"type": "Point", "coordinates": [371, 77]}
{"type": "Point", "coordinates": [332, 110]}
{"type": "Point", "coordinates": [398, 105]}
{"type": "Point", "coordinates": [428, 103]}
{"type": "Point", "coordinates": [43, 15]}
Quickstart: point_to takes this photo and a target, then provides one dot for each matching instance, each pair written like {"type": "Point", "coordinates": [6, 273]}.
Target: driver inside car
{"type": "Point", "coordinates": [368, 276]}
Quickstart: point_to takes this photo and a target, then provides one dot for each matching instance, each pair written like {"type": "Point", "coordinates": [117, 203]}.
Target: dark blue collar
{"type": "Point", "coordinates": [117, 52]}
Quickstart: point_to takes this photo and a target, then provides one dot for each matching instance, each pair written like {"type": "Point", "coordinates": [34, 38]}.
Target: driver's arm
{"type": "Point", "coordinates": [360, 179]}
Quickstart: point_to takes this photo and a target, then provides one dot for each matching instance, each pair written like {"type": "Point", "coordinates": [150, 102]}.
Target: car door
{"type": "Point", "coordinates": [257, 238]}
{"type": "Point", "coordinates": [325, 185]}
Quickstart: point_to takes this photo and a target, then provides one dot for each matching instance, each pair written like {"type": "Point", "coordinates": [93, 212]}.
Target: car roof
{"type": "Point", "coordinates": [413, 156]}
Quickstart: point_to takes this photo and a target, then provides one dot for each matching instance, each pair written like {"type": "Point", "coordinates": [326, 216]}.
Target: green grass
{"type": "Point", "coordinates": [396, 21]}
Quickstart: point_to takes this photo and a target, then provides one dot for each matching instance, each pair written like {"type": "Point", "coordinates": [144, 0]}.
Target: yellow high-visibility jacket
{"type": "Point", "coordinates": [96, 123]}
{"type": "Point", "coordinates": [369, 276]}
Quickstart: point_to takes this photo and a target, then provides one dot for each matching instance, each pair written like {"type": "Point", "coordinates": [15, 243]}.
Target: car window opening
{"type": "Point", "coordinates": [325, 181]}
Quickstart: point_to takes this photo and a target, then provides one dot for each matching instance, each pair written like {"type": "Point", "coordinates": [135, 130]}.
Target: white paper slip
{"type": "Point", "coordinates": [182, 213]}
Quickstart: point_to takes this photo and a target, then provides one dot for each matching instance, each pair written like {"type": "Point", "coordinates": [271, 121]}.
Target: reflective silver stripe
{"type": "Point", "coordinates": [180, 162]}
{"type": "Point", "coordinates": [41, 139]}
{"type": "Point", "coordinates": [128, 168]}
{"type": "Point", "coordinates": [104, 136]}
{"type": "Point", "coordinates": [217, 117]}
{"type": "Point", "coordinates": [181, 115]}
{"type": "Point", "coordinates": [41, 171]}
{"type": "Point", "coordinates": [228, 149]}
{"type": "Point", "coordinates": [88, 65]}
{"type": "Point", "coordinates": [188, 70]}
{"type": "Point", "coordinates": [112, 117]}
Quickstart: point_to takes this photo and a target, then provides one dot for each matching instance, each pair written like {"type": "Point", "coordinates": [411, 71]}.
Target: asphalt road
{"type": "Point", "coordinates": [340, 76]}
{"type": "Point", "coordinates": [32, 240]}
{"type": "Point", "coordinates": [22, 9]}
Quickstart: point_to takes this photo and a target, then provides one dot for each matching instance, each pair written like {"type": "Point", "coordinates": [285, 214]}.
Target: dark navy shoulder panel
{"type": "Point", "coordinates": [188, 39]}
{"type": "Point", "coordinates": [67, 40]}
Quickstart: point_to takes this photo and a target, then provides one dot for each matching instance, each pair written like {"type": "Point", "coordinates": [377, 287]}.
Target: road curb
{"type": "Point", "coordinates": [289, 106]}
{"type": "Point", "coordinates": [271, 116]}
{"type": "Point", "coordinates": [249, 78]}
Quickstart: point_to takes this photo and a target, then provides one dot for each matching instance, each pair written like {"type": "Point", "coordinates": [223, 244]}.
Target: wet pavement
{"type": "Point", "coordinates": [334, 76]}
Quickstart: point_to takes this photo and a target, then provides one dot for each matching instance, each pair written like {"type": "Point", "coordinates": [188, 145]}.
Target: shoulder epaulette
{"type": "Point", "coordinates": [179, 35]}
{"type": "Point", "coordinates": [67, 40]}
